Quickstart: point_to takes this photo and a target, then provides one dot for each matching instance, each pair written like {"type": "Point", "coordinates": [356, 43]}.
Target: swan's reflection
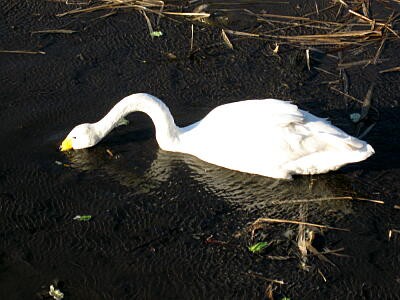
{"type": "Point", "coordinates": [145, 171]}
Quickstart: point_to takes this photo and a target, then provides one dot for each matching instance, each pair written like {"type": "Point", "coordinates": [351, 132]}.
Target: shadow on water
{"type": "Point", "coordinates": [244, 192]}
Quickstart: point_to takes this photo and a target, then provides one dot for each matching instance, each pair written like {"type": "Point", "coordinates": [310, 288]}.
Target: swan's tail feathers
{"type": "Point", "coordinates": [354, 143]}
{"type": "Point", "coordinates": [330, 160]}
{"type": "Point", "coordinates": [356, 150]}
{"type": "Point", "coordinates": [369, 151]}
{"type": "Point", "coordinates": [359, 147]}
{"type": "Point", "coordinates": [345, 142]}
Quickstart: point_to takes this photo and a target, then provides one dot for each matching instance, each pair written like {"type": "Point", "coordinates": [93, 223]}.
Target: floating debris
{"type": "Point", "coordinates": [276, 49]}
{"type": "Point", "coordinates": [258, 247]}
{"type": "Point", "coordinates": [156, 34]}
{"type": "Point", "coordinates": [355, 117]}
{"type": "Point", "coordinates": [83, 218]}
{"type": "Point", "coordinates": [56, 293]}
{"type": "Point", "coordinates": [59, 163]}
{"type": "Point", "coordinates": [211, 240]}
{"type": "Point", "coordinates": [171, 56]}
{"type": "Point", "coordinates": [391, 231]}
{"type": "Point", "coordinates": [353, 30]}
{"type": "Point", "coordinates": [109, 153]}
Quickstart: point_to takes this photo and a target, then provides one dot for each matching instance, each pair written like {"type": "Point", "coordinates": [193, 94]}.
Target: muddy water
{"type": "Point", "coordinates": [153, 212]}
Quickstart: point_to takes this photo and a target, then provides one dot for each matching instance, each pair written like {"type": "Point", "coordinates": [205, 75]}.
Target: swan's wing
{"type": "Point", "coordinates": [247, 133]}
{"type": "Point", "coordinates": [329, 137]}
{"type": "Point", "coordinates": [267, 112]}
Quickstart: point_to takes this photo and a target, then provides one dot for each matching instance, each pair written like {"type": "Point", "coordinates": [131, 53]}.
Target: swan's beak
{"type": "Point", "coordinates": [66, 144]}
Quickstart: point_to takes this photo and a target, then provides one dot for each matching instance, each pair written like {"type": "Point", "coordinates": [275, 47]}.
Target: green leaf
{"type": "Point", "coordinates": [156, 33]}
{"type": "Point", "coordinates": [258, 247]}
{"type": "Point", "coordinates": [83, 218]}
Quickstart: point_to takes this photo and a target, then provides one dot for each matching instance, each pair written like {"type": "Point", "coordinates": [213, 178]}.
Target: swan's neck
{"type": "Point", "coordinates": [167, 133]}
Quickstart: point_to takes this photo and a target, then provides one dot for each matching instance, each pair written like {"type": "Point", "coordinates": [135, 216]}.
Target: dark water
{"type": "Point", "coordinates": [152, 211]}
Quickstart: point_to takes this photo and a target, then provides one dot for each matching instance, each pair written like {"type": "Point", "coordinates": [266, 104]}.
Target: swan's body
{"type": "Point", "coordinates": [267, 137]}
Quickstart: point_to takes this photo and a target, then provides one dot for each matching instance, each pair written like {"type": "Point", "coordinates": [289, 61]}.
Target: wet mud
{"type": "Point", "coordinates": [165, 225]}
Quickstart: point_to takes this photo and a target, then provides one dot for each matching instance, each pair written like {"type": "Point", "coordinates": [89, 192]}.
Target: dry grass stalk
{"type": "Point", "coordinates": [359, 63]}
{"type": "Point", "coordinates": [346, 95]}
{"type": "Point", "coordinates": [318, 254]}
{"type": "Point", "coordinates": [296, 18]}
{"type": "Point", "coordinates": [343, 3]}
{"type": "Point", "coordinates": [373, 23]}
{"type": "Point", "coordinates": [111, 13]}
{"type": "Point", "coordinates": [338, 38]}
{"type": "Point", "coordinates": [305, 239]}
{"type": "Point", "coordinates": [300, 201]}
{"type": "Point", "coordinates": [277, 257]}
{"type": "Point", "coordinates": [192, 39]}
{"type": "Point", "coordinates": [367, 101]}
{"type": "Point", "coordinates": [61, 31]}
{"type": "Point", "coordinates": [22, 52]}
{"type": "Point", "coordinates": [119, 4]}
{"type": "Point", "coordinates": [242, 33]}
{"type": "Point", "coordinates": [302, 241]}
{"type": "Point", "coordinates": [269, 292]}
{"type": "Point", "coordinates": [335, 252]}
{"type": "Point", "coordinates": [149, 26]}
{"type": "Point", "coordinates": [254, 274]}
{"type": "Point", "coordinates": [391, 231]}
{"type": "Point", "coordinates": [203, 15]}
{"type": "Point", "coordinates": [325, 71]}
{"type": "Point", "coordinates": [109, 153]}
{"type": "Point", "coordinates": [395, 69]}
{"type": "Point", "coordinates": [226, 39]}
{"type": "Point", "coordinates": [378, 52]}
{"type": "Point", "coordinates": [321, 10]}
{"type": "Point", "coordinates": [366, 131]}
{"type": "Point", "coordinates": [322, 275]}
{"type": "Point", "coordinates": [342, 33]}
{"type": "Point", "coordinates": [270, 220]}
{"type": "Point", "coordinates": [353, 98]}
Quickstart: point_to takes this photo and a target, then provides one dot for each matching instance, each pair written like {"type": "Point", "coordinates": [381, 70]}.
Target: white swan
{"type": "Point", "coordinates": [267, 137]}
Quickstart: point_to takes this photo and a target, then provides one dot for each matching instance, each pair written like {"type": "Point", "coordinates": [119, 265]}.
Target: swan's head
{"type": "Point", "coordinates": [82, 136]}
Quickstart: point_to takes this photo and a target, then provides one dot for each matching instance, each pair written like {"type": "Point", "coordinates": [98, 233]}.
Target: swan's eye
{"type": "Point", "coordinates": [74, 137]}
